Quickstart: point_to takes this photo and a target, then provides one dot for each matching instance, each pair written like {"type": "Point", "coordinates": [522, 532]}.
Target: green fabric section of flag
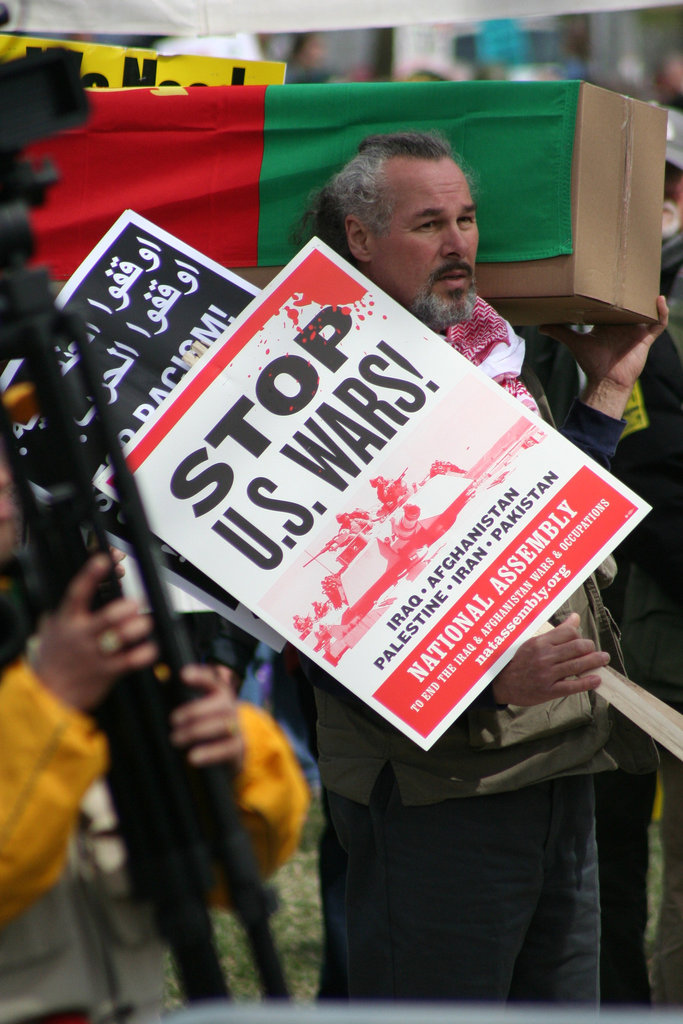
{"type": "Point", "coordinates": [517, 138]}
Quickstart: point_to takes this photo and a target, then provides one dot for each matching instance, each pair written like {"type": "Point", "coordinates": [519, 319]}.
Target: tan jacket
{"type": "Point", "coordinates": [86, 945]}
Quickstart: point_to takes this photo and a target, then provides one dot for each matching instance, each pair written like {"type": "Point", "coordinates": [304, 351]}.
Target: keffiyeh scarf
{"type": "Point", "coordinates": [489, 342]}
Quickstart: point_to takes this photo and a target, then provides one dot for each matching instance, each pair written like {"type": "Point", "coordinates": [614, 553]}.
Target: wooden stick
{"type": "Point", "coordinates": [653, 715]}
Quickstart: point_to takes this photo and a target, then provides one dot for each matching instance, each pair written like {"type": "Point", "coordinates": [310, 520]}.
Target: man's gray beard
{"type": "Point", "coordinates": [439, 313]}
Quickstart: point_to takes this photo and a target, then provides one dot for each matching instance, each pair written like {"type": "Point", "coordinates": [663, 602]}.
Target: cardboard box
{"type": "Point", "coordinates": [612, 276]}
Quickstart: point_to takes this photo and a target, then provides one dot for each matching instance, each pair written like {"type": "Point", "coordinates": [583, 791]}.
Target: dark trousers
{"type": "Point", "coordinates": [332, 877]}
{"type": "Point", "coordinates": [482, 898]}
{"type": "Point", "coordinates": [623, 811]}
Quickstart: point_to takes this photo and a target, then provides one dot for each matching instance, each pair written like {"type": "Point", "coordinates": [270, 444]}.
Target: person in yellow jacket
{"type": "Point", "coordinates": [73, 942]}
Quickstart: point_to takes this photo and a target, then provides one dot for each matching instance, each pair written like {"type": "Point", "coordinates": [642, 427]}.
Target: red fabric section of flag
{"type": "Point", "coordinates": [188, 160]}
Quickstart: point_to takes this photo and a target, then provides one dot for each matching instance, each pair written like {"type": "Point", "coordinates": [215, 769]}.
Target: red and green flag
{"type": "Point", "coordinates": [229, 169]}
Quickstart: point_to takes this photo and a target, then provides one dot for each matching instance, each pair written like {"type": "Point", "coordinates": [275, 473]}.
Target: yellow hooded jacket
{"type": "Point", "coordinates": [51, 754]}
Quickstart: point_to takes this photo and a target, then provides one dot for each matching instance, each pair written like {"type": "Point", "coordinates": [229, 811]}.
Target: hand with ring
{"type": "Point", "coordinates": [80, 652]}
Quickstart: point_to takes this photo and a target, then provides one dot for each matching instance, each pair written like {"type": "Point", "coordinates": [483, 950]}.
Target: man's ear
{"type": "Point", "coordinates": [359, 239]}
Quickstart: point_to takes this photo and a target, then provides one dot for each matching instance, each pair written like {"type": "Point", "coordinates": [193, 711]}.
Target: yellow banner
{"type": "Point", "coordinates": [116, 67]}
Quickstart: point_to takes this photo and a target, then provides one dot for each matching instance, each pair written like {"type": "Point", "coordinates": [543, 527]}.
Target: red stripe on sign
{"type": "Point", "coordinates": [316, 279]}
{"type": "Point", "coordinates": [188, 160]}
{"type": "Point", "coordinates": [532, 571]}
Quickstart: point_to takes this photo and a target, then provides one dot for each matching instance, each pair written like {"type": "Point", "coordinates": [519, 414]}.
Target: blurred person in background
{"type": "Point", "coordinates": [74, 942]}
{"type": "Point", "coordinates": [668, 81]}
{"type": "Point", "coordinates": [306, 61]}
{"type": "Point", "coordinates": [649, 459]}
{"type": "Point", "coordinates": [645, 600]}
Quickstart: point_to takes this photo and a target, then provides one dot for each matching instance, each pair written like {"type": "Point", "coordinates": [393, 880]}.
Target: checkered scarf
{"type": "Point", "coordinates": [489, 342]}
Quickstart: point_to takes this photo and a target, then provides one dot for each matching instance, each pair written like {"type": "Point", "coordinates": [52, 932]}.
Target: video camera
{"type": "Point", "coordinates": [40, 95]}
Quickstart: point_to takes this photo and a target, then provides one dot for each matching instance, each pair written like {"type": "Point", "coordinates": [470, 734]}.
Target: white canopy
{"type": "Point", "coordinates": [216, 17]}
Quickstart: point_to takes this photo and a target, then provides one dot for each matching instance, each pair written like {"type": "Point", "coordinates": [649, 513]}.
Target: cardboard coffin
{"type": "Point", "coordinates": [612, 275]}
{"type": "Point", "coordinates": [617, 184]}
{"type": "Point", "coordinates": [570, 180]}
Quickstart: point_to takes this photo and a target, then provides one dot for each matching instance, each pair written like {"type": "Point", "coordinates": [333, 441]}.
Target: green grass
{"type": "Point", "coordinates": [296, 927]}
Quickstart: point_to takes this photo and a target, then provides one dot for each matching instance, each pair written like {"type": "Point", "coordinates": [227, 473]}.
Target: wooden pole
{"type": "Point", "coordinates": [653, 715]}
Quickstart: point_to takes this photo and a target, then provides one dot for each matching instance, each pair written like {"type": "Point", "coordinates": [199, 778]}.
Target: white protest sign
{"type": "Point", "coordinates": [373, 496]}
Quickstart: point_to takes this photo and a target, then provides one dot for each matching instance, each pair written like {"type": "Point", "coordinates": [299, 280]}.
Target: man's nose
{"type": "Point", "coordinates": [453, 241]}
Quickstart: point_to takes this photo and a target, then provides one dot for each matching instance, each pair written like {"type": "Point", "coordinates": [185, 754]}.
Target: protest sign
{"type": "Point", "coordinates": [377, 499]}
{"type": "Point", "coordinates": [149, 303]}
{"type": "Point", "coordinates": [116, 67]}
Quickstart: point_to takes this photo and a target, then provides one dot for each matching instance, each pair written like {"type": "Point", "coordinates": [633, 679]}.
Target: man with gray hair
{"type": "Point", "coordinates": [471, 866]}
